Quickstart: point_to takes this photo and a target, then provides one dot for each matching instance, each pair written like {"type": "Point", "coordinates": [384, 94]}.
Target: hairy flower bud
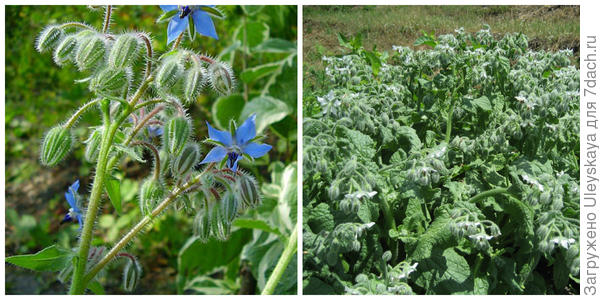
{"type": "Point", "coordinates": [195, 79]}
{"type": "Point", "coordinates": [202, 225]}
{"type": "Point", "coordinates": [219, 225]}
{"type": "Point", "coordinates": [387, 256]}
{"type": "Point", "coordinates": [92, 148]}
{"type": "Point", "coordinates": [111, 81]}
{"type": "Point", "coordinates": [49, 38]}
{"type": "Point", "coordinates": [186, 161]}
{"type": "Point", "coordinates": [124, 51]}
{"type": "Point", "coordinates": [247, 191]}
{"type": "Point", "coordinates": [229, 206]}
{"type": "Point", "coordinates": [151, 193]}
{"type": "Point", "coordinates": [65, 50]}
{"type": "Point", "coordinates": [90, 52]}
{"type": "Point", "coordinates": [131, 274]}
{"type": "Point", "coordinates": [168, 74]}
{"type": "Point", "coordinates": [221, 78]}
{"type": "Point", "coordinates": [176, 134]}
{"type": "Point", "coordinates": [57, 143]}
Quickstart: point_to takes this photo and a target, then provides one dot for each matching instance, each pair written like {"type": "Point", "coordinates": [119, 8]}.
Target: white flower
{"type": "Point", "coordinates": [360, 194]}
{"type": "Point", "coordinates": [480, 237]}
{"type": "Point", "coordinates": [533, 182]}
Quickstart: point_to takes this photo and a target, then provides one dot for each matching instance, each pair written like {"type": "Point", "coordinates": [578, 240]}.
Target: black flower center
{"type": "Point", "coordinates": [185, 11]}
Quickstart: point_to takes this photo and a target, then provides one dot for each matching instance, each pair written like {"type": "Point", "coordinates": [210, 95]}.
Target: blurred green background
{"type": "Point", "coordinates": [39, 94]}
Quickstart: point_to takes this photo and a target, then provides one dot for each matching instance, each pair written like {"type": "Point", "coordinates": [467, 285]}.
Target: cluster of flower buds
{"type": "Point", "coordinates": [351, 202]}
{"type": "Point", "coordinates": [401, 271]}
{"type": "Point", "coordinates": [184, 74]}
{"type": "Point", "coordinates": [467, 223]}
{"type": "Point", "coordinates": [371, 285]}
{"type": "Point", "coordinates": [214, 219]}
{"type": "Point", "coordinates": [108, 57]}
{"type": "Point", "coordinates": [546, 190]}
{"type": "Point", "coordinates": [556, 232]}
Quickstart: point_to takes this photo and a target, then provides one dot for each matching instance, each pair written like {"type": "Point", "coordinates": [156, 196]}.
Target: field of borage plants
{"type": "Point", "coordinates": [448, 170]}
{"type": "Point", "coordinates": [167, 161]}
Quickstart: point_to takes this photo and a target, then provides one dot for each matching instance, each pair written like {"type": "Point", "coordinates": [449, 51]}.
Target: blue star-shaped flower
{"type": "Point", "coordinates": [179, 22]}
{"type": "Point", "coordinates": [74, 211]}
{"type": "Point", "coordinates": [234, 148]}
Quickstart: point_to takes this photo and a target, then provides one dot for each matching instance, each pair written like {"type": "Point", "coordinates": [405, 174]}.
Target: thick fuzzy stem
{"type": "Point", "coordinates": [284, 261]}
{"type": "Point", "coordinates": [489, 193]}
{"type": "Point", "coordinates": [77, 286]}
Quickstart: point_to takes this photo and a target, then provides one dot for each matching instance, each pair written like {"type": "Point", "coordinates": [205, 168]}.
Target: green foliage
{"type": "Point", "coordinates": [454, 167]}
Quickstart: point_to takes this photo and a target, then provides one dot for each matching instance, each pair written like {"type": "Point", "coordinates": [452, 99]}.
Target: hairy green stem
{"type": "Point", "coordinates": [390, 223]}
{"type": "Point", "coordinates": [149, 53]}
{"type": "Point", "coordinates": [177, 41]}
{"type": "Point", "coordinates": [77, 24]}
{"type": "Point", "coordinates": [449, 121]}
{"type": "Point", "coordinates": [77, 286]}
{"type": "Point", "coordinates": [79, 112]}
{"type": "Point", "coordinates": [107, 15]}
{"type": "Point", "coordinates": [142, 224]}
{"type": "Point", "coordinates": [489, 193]}
{"type": "Point", "coordinates": [284, 261]}
{"type": "Point", "coordinates": [156, 157]}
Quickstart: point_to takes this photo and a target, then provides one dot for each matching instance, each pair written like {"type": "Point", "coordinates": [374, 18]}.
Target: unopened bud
{"type": "Point", "coordinates": [229, 206]}
{"type": "Point", "coordinates": [221, 78]}
{"type": "Point", "coordinates": [151, 193]}
{"type": "Point", "coordinates": [90, 52]}
{"type": "Point", "coordinates": [65, 50]}
{"type": "Point", "coordinates": [92, 148]}
{"type": "Point", "coordinates": [124, 51]}
{"type": "Point", "coordinates": [56, 144]}
{"type": "Point", "coordinates": [168, 74]}
{"type": "Point", "coordinates": [176, 134]}
{"type": "Point", "coordinates": [186, 161]}
{"type": "Point", "coordinates": [220, 227]}
{"type": "Point", "coordinates": [110, 81]}
{"type": "Point", "coordinates": [49, 38]}
{"type": "Point", "coordinates": [202, 225]}
{"type": "Point", "coordinates": [131, 274]}
{"type": "Point", "coordinates": [387, 256]}
{"type": "Point", "coordinates": [195, 79]}
{"type": "Point", "coordinates": [247, 191]}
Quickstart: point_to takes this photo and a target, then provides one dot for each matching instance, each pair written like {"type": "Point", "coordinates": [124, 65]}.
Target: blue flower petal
{"type": "Point", "coordinates": [247, 131]}
{"type": "Point", "coordinates": [70, 195]}
{"type": "Point", "coordinates": [216, 154]}
{"type": "Point", "coordinates": [256, 150]}
{"type": "Point", "coordinates": [219, 136]}
{"type": "Point", "coordinates": [80, 221]}
{"type": "Point", "coordinates": [176, 27]}
{"type": "Point", "coordinates": [204, 24]}
{"type": "Point", "coordinates": [168, 7]}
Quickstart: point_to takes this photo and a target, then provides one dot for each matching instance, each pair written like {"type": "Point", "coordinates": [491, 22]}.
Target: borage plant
{"type": "Point", "coordinates": [451, 171]}
{"type": "Point", "coordinates": [141, 100]}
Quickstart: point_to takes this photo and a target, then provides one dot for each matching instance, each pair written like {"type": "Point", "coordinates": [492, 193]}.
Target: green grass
{"type": "Point", "coordinates": [548, 27]}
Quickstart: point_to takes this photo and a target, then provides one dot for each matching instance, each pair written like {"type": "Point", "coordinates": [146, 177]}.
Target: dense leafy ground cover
{"type": "Point", "coordinates": [450, 170]}
{"type": "Point", "coordinates": [259, 43]}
